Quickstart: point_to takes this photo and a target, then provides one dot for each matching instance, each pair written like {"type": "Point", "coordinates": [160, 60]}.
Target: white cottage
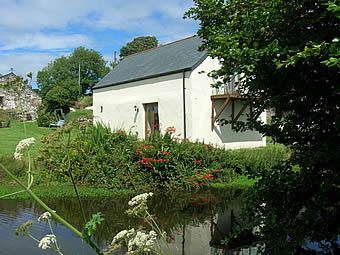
{"type": "Point", "coordinates": [168, 86]}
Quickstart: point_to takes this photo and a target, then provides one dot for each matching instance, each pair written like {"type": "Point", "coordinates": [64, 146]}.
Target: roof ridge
{"type": "Point", "coordinates": [1, 75]}
{"type": "Point", "coordinates": [161, 45]}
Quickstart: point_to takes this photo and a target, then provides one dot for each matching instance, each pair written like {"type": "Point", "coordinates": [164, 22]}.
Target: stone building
{"type": "Point", "coordinates": [9, 100]}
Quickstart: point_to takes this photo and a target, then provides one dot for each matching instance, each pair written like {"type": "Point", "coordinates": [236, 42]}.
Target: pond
{"type": "Point", "coordinates": [195, 222]}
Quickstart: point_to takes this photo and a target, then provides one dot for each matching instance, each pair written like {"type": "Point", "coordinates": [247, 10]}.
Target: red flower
{"type": "Point", "coordinates": [206, 200]}
{"type": "Point", "coordinates": [166, 159]}
{"type": "Point", "coordinates": [148, 165]}
{"type": "Point", "coordinates": [195, 184]}
{"type": "Point", "coordinates": [121, 132]}
{"type": "Point", "coordinates": [197, 162]}
{"type": "Point", "coordinates": [170, 130]}
{"type": "Point", "coordinates": [147, 160]}
{"type": "Point", "coordinates": [217, 170]}
{"type": "Point", "coordinates": [206, 146]}
{"type": "Point", "coordinates": [179, 135]}
{"type": "Point", "coordinates": [147, 132]}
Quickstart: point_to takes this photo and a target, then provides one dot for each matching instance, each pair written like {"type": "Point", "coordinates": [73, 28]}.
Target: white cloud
{"type": "Point", "coordinates": [23, 63]}
{"type": "Point", "coordinates": [157, 17]}
{"type": "Point", "coordinates": [34, 15]}
{"type": "Point", "coordinates": [51, 26]}
{"type": "Point", "coordinates": [129, 16]}
{"type": "Point", "coordinates": [41, 41]}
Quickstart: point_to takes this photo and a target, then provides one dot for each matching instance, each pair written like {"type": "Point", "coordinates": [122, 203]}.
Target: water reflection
{"type": "Point", "coordinates": [195, 222]}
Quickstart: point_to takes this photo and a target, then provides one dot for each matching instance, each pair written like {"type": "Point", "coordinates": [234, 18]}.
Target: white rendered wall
{"type": "Point", "coordinates": [118, 103]}
{"type": "Point", "coordinates": [118, 108]}
{"type": "Point", "coordinates": [200, 128]}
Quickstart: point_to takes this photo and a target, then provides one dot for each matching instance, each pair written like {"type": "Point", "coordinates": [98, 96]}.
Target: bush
{"type": "Point", "coordinates": [83, 102]}
{"type": "Point", "coordinates": [116, 159]}
{"type": "Point", "coordinates": [17, 167]}
{"type": "Point", "coordinates": [45, 117]}
{"type": "Point", "coordinates": [4, 118]}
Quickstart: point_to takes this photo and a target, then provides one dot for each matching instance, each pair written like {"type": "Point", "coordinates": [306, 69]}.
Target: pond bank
{"type": "Point", "coordinates": [59, 191]}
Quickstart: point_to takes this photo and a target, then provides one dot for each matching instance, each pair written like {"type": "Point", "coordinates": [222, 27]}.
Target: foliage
{"type": "Point", "coordinates": [4, 117]}
{"type": "Point", "coordinates": [119, 160]}
{"type": "Point", "coordinates": [288, 55]}
{"type": "Point", "coordinates": [84, 102]}
{"type": "Point", "coordinates": [45, 117]}
{"type": "Point", "coordinates": [91, 226]}
{"type": "Point", "coordinates": [61, 96]}
{"type": "Point", "coordinates": [138, 44]}
{"type": "Point", "coordinates": [17, 167]}
{"type": "Point", "coordinates": [66, 70]}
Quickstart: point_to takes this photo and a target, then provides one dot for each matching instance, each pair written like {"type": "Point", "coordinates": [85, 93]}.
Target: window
{"type": "Point", "coordinates": [151, 118]}
{"type": "Point", "coordinates": [233, 85]}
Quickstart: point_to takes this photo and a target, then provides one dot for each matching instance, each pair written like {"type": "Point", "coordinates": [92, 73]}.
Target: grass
{"type": "Point", "coordinates": [71, 116]}
{"type": "Point", "coordinates": [241, 182]}
{"type": "Point", "coordinates": [10, 137]}
{"type": "Point", "coordinates": [65, 191]}
{"type": "Point", "coordinates": [60, 191]}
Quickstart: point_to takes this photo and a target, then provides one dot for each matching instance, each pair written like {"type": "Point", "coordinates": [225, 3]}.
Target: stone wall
{"type": "Point", "coordinates": [9, 100]}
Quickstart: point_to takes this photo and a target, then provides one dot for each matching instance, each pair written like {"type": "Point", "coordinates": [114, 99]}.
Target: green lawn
{"type": "Point", "coordinates": [9, 137]}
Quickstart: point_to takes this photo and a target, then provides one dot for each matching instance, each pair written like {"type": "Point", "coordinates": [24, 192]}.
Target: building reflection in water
{"type": "Point", "coordinates": [206, 238]}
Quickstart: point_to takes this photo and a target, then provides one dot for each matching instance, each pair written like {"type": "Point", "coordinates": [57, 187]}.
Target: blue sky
{"type": "Point", "coordinates": [35, 32]}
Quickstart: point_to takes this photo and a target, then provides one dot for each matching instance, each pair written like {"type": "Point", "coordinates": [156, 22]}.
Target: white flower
{"type": "Point", "coordinates": [122, 234]}
{"type": "Point", "coordinates": [139, 198]}
{"type": "Point", "coordinates": [17, 156]}
{"type": "Point", "coordinates": [142, 242]}
{"type": "Point", "coordinates": [45, 216]}
{"type": "Point", "coordinates": [22, 146]}
{"type": "Point", "coordinates": [46, 241]}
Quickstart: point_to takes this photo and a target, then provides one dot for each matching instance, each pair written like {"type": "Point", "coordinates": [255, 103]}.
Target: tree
{"type": "Point", "coordinates": [92, 69]}
{"type": "Point", "coordinates": [138, 44]}
{"type": "Point", "coordinates": [288, 54]}
{"type": "Point", "coordinates": [61, 96]}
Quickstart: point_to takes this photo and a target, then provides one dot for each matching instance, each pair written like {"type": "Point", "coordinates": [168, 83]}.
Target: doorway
{"type": "Point", "coordinates": [151, 118]}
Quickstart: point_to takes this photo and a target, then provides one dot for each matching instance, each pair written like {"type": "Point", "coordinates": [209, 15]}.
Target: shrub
{"type": "Point", "coordinates": [17, 167]}
{"type": "Point", "coordinates": [4, 117]}
{"type": "Point", "coordinates": [83, 102]}
{"type": "Point", "coordinates": [45, 117]}
{"type": "Point", "coordinates": [116, 159]}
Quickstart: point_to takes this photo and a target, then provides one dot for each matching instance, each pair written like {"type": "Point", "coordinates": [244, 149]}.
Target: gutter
{"type": "Point", "coordinates": [184, 115]}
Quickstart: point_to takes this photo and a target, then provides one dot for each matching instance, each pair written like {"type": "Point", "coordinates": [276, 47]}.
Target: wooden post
{"type": "Point", "coordinates": [212, 113]}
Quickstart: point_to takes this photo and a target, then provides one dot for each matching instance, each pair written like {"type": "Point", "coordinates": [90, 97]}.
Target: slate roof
{"type": "Point", "coordinates": [178, 56]}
